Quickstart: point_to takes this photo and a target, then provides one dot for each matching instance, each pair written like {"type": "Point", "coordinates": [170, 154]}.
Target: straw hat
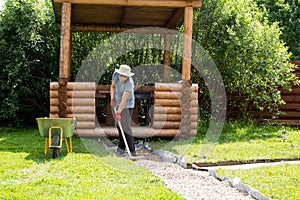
{"type": "Point", "coordinates": [124, 70]}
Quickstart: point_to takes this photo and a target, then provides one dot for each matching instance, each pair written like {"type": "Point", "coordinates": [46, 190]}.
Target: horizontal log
{"type": "Point", "coordinates": [75, 109]}
{"type": "Point", "coordinates": [167, 110]}
{"type": "Point", "coordinates": [137, 88]}
{"type": "Point", "coordinates": [103, 88]}
{"type": "Point", "coordinates": [138, 131]}
{"type": "Point", "coordinates": [167, 95]}
{"type": "Point", "coordinates": [192, 110]}
{"type": "Point", "coordinates": [168, 87]}
{"type": "Point", "coordinates": [185, 129]}
{"type": "Point", "coordinates": [75, 86]}
{"type": "Point", "coordinates": [190, 122]}
{"type": "Point", "coordinates": [166, 125]}
{"type": "Point", "coordinates": [187, 91]}
{"type": "Point", "coordinates": [192, 133]}
{"type": "Point", "coordinates": [74, 94]}
{"type": "Point", "coordinates": [172, 117]}
{"type": "Point", "coordinates": [138, 3]}
{"type": "Point", "coordinates": [85, 125]}
{"type": "Point", "coordinates": [172, 95]}
{"type": "Point", "coordinates": [173, 110]}
{"type": "Point", "coordinates": [166, 117]}
{"type": "Point", "coordinates": [79, 117]}
{"type": "Point", "coordinates": [75, 102]}
{"type": "Point", "coordinates": [167, 102]}
{"type": "Point", "coordinates": [186, 106]}
{"type": "Point", "coordinates": [173, 125]}
{"type": "Point", "coordinates": [173, 87]}
{"type": "Point", "coordinates": [85, 132]}
{"type": "Point", "coordinates": [114, 29]}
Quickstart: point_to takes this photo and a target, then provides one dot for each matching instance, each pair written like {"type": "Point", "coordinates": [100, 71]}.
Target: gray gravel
{"type": "Point", "coordinates": [192, 184]}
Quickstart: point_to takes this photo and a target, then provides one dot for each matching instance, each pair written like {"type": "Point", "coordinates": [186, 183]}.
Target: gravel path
{"type": "Point", "coordinates": [192, 184]}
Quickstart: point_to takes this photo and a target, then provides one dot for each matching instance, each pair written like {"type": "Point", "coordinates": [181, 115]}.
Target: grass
{"type": "Point", "coordinates": [277, 182]}
{"type": "Point", "coordinates": [238, 142]}
{"type": "Point", "coordinates": [26, 173]}
{"type": "Point", "coordinates": [243, 142]}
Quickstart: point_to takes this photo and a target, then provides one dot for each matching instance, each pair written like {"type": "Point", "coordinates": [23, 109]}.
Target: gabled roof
{"type": "Point", "coordinates": [127, 13]}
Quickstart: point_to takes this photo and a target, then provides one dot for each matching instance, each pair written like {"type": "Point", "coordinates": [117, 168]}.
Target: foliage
{"type": "Point", "coordinates": [28, 59]}
{"type": "Point", "coordinates": [247, 50]}
{"type": "Point", "coordinates": [276, 182]}
{"type": "Point", "coordinates": [103, 52]}
{"type": "Point", "coordinates": [79, 175]}
{"type": "Point", "coordinates": [287, 14]}
{"type": "Point", "coordinates": [243, 43]}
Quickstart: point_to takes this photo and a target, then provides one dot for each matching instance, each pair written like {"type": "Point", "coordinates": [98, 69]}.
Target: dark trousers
{"type": "Point", "coordinates": [126, 125]}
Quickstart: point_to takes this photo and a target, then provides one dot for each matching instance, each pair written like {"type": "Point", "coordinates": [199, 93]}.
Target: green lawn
{"type": "Point", "coordinates": [277, 182]}
{"type": "Point", "coordinates": [248, 141]}
{"type": "Point", "coordinates": [26, 173]}
{"type": "Point", "coordinates": [238, 142]}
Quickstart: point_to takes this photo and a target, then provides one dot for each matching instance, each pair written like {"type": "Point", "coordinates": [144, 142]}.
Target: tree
{"type": "Point", "coordinates": [247, 50]}
{"type": "Point", "coordinates": [287, 14]}
{"type": "Point", "coordinates": [29, 42]}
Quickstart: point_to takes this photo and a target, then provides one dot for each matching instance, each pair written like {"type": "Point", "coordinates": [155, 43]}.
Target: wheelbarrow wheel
{"type": "Point", "coordinates": [55, 142]}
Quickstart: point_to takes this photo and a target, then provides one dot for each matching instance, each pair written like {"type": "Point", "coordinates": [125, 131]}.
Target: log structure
{"type": "Point", "coordinates": [176, 108]}
{"type": "Point", "coordinates": [80, 103]}
{"type": "Point", "coordinates": [116, 16]}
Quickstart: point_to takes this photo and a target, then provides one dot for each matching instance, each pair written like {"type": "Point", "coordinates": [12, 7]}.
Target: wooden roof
{"type": "Point", "coordinates": [127, 13]}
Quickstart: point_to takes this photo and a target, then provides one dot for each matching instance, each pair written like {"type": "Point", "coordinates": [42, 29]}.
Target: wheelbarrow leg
{"type": "Point", "coordinates": [69, 148]}
{"type": "Point", "coordinates": [46, 146]}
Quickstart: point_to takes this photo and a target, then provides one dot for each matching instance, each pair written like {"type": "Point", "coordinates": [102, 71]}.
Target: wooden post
{"type": "Point", "coordinates": [65, 42]}
{"type": "Point", "coordinates": [187, 43]}
{"type": "Point", "coordinates": [167, 58]}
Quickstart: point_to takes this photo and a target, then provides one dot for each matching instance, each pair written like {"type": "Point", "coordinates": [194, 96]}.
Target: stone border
{"type": "Point", "coordinates": [167, 156]}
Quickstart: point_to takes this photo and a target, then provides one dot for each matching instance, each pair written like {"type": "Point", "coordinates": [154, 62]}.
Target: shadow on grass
{"type": "Point", "coordinates": [28, 140]}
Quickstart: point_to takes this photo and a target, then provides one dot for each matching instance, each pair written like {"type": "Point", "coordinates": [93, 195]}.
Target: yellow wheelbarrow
{"type": "Point", "coordinates": [55, 130]}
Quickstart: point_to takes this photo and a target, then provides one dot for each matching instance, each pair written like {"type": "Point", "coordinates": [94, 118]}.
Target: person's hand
{"type": "Point", "coordinates": [118, 116]}
{"type": "Point", "coordinates": [112, 102]}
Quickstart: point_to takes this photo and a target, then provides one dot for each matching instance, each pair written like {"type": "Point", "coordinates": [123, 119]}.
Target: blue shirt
{"type": "Point", "coordinates": [120, 88]}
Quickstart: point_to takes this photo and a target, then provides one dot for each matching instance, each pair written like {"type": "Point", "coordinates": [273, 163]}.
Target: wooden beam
{"type": "Point", "coordinates": [187, 43]}
{"type": "Point", "coordinates": [167, 58]}
{"type": "Point", "coordinates": [65, 42]}
{"type": "Point", "coordinates": [175, 18]}
{"type": "Point", "coordinates": [99, 28]}
{"type": "Point", "coordinates": [148, 3]}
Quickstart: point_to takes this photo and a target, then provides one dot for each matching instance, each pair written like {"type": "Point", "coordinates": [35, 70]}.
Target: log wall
{"type": "Point", "coordinates": [291, 109]}
{"type": "Point", "coordinates": [80, 103]}
{"type": "Point", "coordinates": [175, 109]}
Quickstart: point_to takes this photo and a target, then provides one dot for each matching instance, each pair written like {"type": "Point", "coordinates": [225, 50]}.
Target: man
{"type": "Point", "coordinates": [122, 97]}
